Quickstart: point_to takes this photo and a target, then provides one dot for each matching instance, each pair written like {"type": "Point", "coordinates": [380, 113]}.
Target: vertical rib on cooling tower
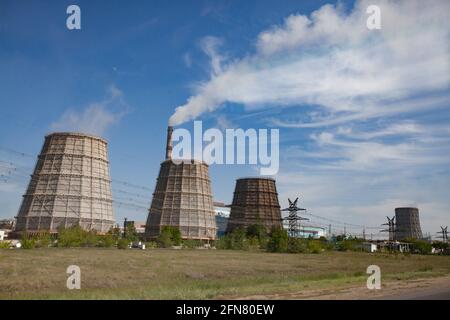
{"type": "Point", "coordinates": [70, 186]}
{"type": "Point", "coordinates": [255, 201]}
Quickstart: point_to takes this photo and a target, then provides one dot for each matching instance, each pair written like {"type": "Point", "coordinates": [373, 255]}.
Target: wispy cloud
{"type": "Point", "coordinates": [97, 117]}
{"type": "Point", "coordinates": [362, 106]}
{"type": "Point", "coordinates": [331, 60]}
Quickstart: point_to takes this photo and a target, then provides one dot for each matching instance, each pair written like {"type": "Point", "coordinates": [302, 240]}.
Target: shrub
{"type": "Point", "coordinates": [315, 246]}
{"type": "Point", "coordinates": [151, 244]}
{"type": "Point", "coordinates": [123, 243]}
{"type": "Point", "coordinates": [278, 241]}
{"type": "Point", "coordinates": [75, 236]}
{"type": "Point", "coordinates": [223, 243]}
{"type": "Point", "coordinates": [106, 241]}
{"type": "Point", "coordinates": [70, 237]}
{"type": "Point", "coordinates": [27, 241]}
{"type": "Point", "coordinates": [169, 236]}
{"type": "Point", "coordinates": [191, 244]}
{"type": "Point", "coordinates": [43, 240]}
{"type": "Point", "coordinates": [4, 245]}
{"type": "Point", "coordinates": [350, 245]}
{"type": "Point", "coordinates": [89, 238]}
{"type": "Point", "coordinates": [164, 240]}
{"type": "Point", "coordinates": [297, 245]}
{"type": "Point", "coordinates": [420, 246]}
{"type": "Point", "coordinates": [237, 240]}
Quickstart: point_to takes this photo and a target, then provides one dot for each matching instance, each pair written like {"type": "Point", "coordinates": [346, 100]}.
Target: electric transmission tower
{"type": "Point", "coordinates": [293, 218]}
{"type": "Point", "coordinates": [444, 234]}
{"type": "Point", "coordinates": [391, 228]}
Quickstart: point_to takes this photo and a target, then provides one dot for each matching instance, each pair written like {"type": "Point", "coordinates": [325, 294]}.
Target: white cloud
{"type": "Point", "coordinates": [331, 60]}
{"type": "Point", "coordinates": [97, 117]}
{"type": "Point", "coordinates": [352, 168]}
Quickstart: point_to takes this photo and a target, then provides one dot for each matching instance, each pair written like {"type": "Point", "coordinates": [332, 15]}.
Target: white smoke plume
{"type": "Point", "coordinates": [330, 59]}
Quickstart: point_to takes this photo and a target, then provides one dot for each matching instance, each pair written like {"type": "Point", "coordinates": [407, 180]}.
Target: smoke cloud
{"type": "Point", "coordinates": [330, 59]}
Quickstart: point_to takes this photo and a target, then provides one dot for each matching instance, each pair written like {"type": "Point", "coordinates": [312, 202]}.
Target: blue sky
{"type": "Point", "coordinates": [363, 115]}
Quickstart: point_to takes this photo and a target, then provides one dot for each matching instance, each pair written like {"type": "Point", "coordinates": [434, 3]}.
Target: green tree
{"type": "Point", "coordinates": [278, 241]}
{"type": "Point", "coordinates": [420, 246]}
{"type": "Point", "coordinates": [71, 237]}
{"type": "Point", "coordinates": [130, 233]}
{"type": "Point", "coordinates": [238, 239]}
{"type": "Point", "coordinates": [169, 236]}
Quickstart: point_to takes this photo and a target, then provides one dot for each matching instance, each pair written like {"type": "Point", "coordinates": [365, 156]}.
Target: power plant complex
{"type": "Point", "coordinates": [70, 186]}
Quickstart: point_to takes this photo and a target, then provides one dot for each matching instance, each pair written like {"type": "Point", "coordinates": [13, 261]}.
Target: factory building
{"type": "Point", "coordinates": [70, 186]}
{"type": "Point", "coordinates": [182, 199]}
{"type": "Point", "coordinates": [255, 201]}
{"type": "Point", "coordinates": [308, 231]}
{"type": "Point", "coordinates": [222, 213]}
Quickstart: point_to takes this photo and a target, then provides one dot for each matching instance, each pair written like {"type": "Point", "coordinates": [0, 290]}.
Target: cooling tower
{"type": "Point", "coordinates": [70, 186]}
{"type": "Point", "coordinates": [182, 199]}
{"type": "Point", "coordinates": [407, 224]}
{"type": "Point", "coordinates": [255, 201]}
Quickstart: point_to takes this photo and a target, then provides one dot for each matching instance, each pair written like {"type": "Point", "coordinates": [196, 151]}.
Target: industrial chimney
{"type": "Point", "coordinates": [169, 143]}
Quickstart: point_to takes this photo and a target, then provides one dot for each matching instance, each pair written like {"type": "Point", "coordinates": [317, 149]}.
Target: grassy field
{"type": "Point", "coordinates": [195, 274]}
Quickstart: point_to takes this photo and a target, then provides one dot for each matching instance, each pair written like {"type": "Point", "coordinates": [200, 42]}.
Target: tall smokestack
{"type": "Point", "coordinates": [169, 143]}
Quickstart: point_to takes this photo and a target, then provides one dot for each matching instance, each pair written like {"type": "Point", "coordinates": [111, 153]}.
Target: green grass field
{"type": "Point", "coordinates": [195, 274]}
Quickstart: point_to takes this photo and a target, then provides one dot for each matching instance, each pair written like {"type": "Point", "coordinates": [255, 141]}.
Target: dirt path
{"type": "Point", "coordinates": [435, 288]}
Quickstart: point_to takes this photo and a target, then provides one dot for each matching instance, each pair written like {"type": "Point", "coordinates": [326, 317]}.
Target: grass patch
{"type": "Point", "coordinates": [195, 274]}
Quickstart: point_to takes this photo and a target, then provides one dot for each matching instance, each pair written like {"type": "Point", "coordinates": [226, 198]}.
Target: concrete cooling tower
{"type": "Point", "coordinates": [70, 186]}
{"type": "Point", "coordinates": [182, 199]}
{"type": "Point", "coordinates": [255, 201]}
{"type": "Point", "coordinates": [407, 224]}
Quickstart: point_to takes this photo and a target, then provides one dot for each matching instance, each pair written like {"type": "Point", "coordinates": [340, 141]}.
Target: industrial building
{"type": "Point", "coordinates": [407, 224]}
{"type": "Point", "coordinates": [222, 213]}
{"type": "Point", "coordinates": [307, 231]}
{"type": "Point", "coordinates": [182, 199]}
{"type": "Point", "coordinates": [255, 201]}
{"type": "Point", "coordinates": [70, 186]}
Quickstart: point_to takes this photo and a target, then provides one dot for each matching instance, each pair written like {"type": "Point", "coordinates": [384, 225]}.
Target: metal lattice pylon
{"type": "Point", "coordinates": [444, 233]}
{"type": "Point", "coordinates": [391, 227]}
{"type": "Point", "coordinates": [293, 218]}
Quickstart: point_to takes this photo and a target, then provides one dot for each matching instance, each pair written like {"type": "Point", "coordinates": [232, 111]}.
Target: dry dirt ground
{"type": "Point", "coordinates": [212, 274]}
{"type": "Point", "coordinates": [428, 288]}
